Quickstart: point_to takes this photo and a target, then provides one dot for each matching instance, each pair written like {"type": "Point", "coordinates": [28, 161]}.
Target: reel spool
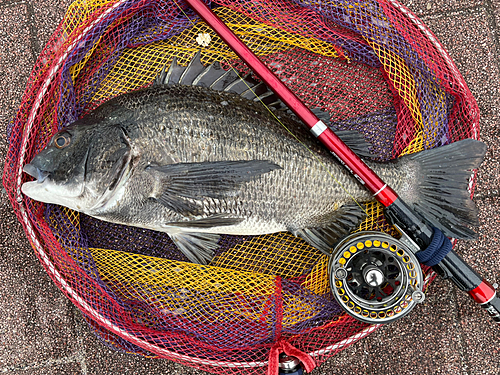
{"type": "Point", "coordinates": [375, 277]}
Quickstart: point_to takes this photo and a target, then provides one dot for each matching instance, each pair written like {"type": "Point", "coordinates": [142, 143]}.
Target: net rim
{"type": "Point", "coordinates": [95, 315]}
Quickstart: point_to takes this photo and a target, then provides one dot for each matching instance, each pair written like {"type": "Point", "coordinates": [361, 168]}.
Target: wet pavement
{"type": "Point", "coordinates": [42, 333]}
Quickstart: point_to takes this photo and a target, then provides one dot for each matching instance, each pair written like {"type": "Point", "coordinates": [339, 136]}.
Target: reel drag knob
{"type": "Point", "coordinates": [375, 277]}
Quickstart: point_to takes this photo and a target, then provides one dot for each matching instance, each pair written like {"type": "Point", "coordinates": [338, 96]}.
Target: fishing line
{"type": "Point", "coordinates": [284, 126]}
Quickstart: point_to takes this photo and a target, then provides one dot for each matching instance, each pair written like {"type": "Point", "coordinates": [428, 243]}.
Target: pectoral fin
{"type": "Point", "coordinates": [182, 187]}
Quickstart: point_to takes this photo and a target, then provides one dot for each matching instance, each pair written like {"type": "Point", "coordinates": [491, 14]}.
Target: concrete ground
{"type": "Point", "coordinates": [42, 333]}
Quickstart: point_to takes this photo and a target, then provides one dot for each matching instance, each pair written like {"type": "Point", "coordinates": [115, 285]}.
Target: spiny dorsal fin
{"type": "Point", "coordinates": [218, 79]}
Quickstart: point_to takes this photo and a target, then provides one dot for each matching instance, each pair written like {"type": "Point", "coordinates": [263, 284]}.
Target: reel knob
{"type": "Point", "coordinates": [375, 277]}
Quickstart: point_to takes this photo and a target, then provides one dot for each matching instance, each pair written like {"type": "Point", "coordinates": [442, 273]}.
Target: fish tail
{"type": "Point", "coordinates": [438, 190]}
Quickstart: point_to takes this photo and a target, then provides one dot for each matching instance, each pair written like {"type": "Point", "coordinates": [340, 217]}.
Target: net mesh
{"type": "Point", "coordinates": [371, 64]}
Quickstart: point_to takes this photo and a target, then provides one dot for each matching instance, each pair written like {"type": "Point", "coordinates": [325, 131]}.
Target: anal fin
{"type": "Point", "coordinates": [197, 247]}
{"type": "Point", "coordinates": [334, 227]}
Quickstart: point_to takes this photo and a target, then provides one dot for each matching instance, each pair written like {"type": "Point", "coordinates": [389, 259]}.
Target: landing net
{"type": "Point", "coordinates": [372, 64]}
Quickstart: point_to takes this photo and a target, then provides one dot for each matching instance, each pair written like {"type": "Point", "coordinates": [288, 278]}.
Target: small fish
{"type": "Point", "coordinates": [196, 155]}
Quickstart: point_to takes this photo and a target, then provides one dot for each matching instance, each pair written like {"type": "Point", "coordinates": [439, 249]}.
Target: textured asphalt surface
{"type": "Point", "coordinates": [42, 333]}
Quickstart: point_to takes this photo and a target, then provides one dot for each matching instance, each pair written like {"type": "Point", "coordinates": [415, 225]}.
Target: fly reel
{"type": "Point", "coordinates": [375, 277]}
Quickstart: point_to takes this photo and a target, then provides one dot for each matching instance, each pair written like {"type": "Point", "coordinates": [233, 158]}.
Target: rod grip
{"type": "Point", "coordinates": [410, 222]}
{"type": "Point", "coordinates": [453, 267]}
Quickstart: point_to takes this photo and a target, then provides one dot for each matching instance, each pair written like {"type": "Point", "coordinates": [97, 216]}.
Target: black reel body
{"type": "Point", "coordinates": [375, 277]}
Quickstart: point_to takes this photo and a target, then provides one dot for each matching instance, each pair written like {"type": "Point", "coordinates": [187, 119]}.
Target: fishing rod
{"type": "Point", "coordinates": [417, 236]}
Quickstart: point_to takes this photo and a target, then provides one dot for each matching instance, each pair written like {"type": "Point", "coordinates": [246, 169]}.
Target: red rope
{"type": "Point", "coordinates": [282, 346]}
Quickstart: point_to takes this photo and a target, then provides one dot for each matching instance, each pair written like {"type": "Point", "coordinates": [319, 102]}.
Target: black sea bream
{"type": "Point", "coordinates": [194, 161]}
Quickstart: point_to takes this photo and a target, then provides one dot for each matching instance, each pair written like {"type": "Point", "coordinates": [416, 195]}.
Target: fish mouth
{"type": "Point", "coordinates": [33, 171]}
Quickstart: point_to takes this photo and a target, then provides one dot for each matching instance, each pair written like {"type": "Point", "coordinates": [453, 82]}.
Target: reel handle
{"type": "Point", "coordinates": [452, 267]}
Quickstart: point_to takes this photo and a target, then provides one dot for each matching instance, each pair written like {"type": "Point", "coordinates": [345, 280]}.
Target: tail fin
{"type": "Point", "coordinates": [441, 194]}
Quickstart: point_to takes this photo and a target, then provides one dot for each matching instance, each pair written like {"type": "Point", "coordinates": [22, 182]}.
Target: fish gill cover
{"type": "Point", "coordinates": [371, 64]}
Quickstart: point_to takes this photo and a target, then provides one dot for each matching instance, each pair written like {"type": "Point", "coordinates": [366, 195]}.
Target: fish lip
{"type": "Point", "coordinates": [33, 171]}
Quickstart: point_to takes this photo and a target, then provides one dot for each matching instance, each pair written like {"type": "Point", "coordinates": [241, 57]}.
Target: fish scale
{"type": "Point", "coordinates": [234, 137]}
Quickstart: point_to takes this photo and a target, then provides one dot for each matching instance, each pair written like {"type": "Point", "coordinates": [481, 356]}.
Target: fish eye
{"type": "Point", "coordinates": [62, 140]}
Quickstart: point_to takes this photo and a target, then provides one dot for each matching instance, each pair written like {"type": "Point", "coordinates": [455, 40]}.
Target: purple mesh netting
{"type": "Point", "coordinates": [163, 19]}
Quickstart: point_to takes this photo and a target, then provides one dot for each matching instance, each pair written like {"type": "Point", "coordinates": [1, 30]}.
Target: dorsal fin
{"type": "Point", "coordinates": [213, 76]}
{"type": "Point", "coordinates": [352, 138]}
{"type": "Point", "coordinates": [356, 142]}
{"type": "Point", "coordinates": [216, 78]}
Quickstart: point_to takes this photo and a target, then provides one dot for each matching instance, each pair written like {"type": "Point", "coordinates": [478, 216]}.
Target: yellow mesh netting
{"type": "Point", "coordinates": [136, 276]}
{"type": "Point", "coordinates": [139, 66]}
{"type": "Point", "coordinates": [270, 254]}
